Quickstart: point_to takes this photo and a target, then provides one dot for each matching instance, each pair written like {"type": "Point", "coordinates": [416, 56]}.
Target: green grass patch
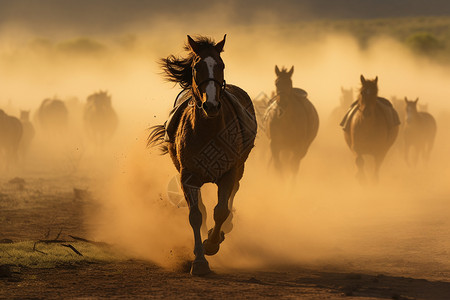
{"type": "Point", "coordinates": [52, 255]}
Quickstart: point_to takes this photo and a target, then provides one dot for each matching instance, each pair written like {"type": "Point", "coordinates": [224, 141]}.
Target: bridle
{"type": "Point", "coordinates": [222, 85]}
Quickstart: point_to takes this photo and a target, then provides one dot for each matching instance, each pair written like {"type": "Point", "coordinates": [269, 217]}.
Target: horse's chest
{"type": "Point", "coordinates": [209, 157]}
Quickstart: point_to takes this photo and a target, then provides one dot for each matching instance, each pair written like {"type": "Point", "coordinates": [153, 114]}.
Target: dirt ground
{"type": "Point", "coordinates": [51, 204]}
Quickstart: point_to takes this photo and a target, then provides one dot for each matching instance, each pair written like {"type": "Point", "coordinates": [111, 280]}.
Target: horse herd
{"type": "Point", "coordinates": [52, 119]}
{"type": "Point", "coordinates": [212, 129]}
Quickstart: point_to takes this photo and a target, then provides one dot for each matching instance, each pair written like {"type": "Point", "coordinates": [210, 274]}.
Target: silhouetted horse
{"type": "Point", "coordinates": [53, 116]}
{"type": "Point", "coordinates": [371, 126]}
{"type": "Point", "coordinates": [28, 132]}
{"type": "Point", "coordinates": [209, 136]}
{"type": "Point", "coordinates": [345, 101]}
{"type": "Point", "coordinates": [291, 123]}
{"type": "Point", "coordinates": [10, 136]}
{"type": "Point", "coordinates": [100, 119]}
{"type": "Point", "coordinates": [420, 131]}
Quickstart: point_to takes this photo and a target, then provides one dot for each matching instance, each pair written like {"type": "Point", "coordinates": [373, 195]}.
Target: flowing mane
{"type": "Point", "coordinates": [179, 69]}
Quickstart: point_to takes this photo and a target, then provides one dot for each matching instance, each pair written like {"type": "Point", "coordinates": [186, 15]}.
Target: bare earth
{"type": "Point", "coordinates": [50, 204]}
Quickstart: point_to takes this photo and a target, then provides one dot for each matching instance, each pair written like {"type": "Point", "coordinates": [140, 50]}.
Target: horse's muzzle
{"type": "Point", "coordinates": [211, 110]}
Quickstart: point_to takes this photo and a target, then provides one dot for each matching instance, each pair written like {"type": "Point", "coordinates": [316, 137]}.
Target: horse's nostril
{"type": "Point", "coordinates": [219, 105]}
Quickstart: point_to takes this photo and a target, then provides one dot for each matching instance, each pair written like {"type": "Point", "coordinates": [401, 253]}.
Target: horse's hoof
{"type": "Point", "coordinates": [227, 226]}
{"type": "Point", "coordinates": [200, 267]}
{"type": "Point", "coordinates": [211, 248]}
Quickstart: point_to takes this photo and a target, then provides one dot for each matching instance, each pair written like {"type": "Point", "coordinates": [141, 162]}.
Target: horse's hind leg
{"type": "Point", "coordinates": [221, 212]}
{"type": "Point", "coordinates": [202, 208]}
{"type": "Point", "coordinates": [360, 175]}
{"type": "Point", "coordinates": [228, 224]}
{"type": "Point", "coordinates": [276, 156]}
{"type": "Point", "coordinates": [200, 265]}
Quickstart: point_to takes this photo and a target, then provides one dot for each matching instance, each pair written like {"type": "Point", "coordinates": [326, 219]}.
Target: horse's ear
{"type": "Point", "coordinates": [219, 45]}
{"type": "Point", "coordinates": [363, 80]}
{"type": "Point", "coordinates": [417, 100]}
{"type": "Point", "coordinates": [376, 79]}
{"type": "Point", "coordinates": [342, 89]}
{"type": "Point", "coordinates": [193, 44]}
{"type": "Point", "coordinates": [291, 71]}
{"type": "Point", "coordinates": [406, 100]}
{"type": "Point", "coordinates": [277, 71]}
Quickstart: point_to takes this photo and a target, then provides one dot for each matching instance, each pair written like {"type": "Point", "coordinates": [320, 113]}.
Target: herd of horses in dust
{"type": "Point", "coordinates": [52, 117]}
{"type": "Point", "coordinates": [212, 127]}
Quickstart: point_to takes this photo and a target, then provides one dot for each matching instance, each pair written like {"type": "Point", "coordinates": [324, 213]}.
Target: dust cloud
{"type": "Point", "coordinates": [323, 217]}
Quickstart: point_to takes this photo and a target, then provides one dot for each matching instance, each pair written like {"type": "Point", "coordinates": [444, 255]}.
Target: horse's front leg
{"type": "Point", "coordinates": [200, 265]}
{"type": "Point", "coordinates": [226, 185]}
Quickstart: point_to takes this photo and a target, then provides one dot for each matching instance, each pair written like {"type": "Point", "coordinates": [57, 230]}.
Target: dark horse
{"type": "Point", "coordinates": [53, 116]}
{"type": "Point", "coordinates": [209, 136]}
{"type": "Point", "coordinates": [11, 131]}
{"type": "Point", "coordinates": [100, 119]}
{"type": "Point", "coordinates": [420, 131]}
{"type": "Point", "coordinates": [291, 122]}
{"type": "Point", "coordinates": [370, 126]}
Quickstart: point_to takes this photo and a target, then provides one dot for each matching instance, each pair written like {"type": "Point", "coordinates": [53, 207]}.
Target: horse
{"type": "Point", "coordinates": [209, 136]}
{"type": "Point", "coordinates": [345, 100]}
{"type": "Point", "coordinates": [53, 116]}
{"type": "Point", "coordinates": [419, 132]}
{"type": "Point", "coordinates": [28, 132]}
{"type": "Point", "coordinates": [370, 126]}
{"type": "Point", "coordinates": [100, 118]}
{"type": "Point", "coordinates": [291, 122]}
{"type": "Point", "coordinates": [10, 136]}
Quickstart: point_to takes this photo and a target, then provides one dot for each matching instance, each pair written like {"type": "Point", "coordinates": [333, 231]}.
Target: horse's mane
{"type": "Point", "coordinates": [179, 69]}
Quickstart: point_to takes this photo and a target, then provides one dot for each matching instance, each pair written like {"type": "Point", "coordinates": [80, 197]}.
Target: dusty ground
{"type": "Point", "coordinates": [50, 204]}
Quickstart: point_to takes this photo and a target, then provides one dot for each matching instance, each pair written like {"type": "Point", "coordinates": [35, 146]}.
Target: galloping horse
{"type": "Point", "coordinates": [100, 119]}
{"type": "Point", "coordinates": [420, 131]}
{"type": "Point", "coordinates": [208, 135]}
{"type": "Point", "coordinates": [370, 126]}
{"type": "Point", "coordinates": [291, 122]}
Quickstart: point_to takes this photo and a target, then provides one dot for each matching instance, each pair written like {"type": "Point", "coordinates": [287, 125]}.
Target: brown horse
{"type": "Point", "coordinates": [370, 126]}
{"type": "Point", "coordinates": [291, 122]}
{"type": "Point", "coordinates": [10, 136]}
{"type": "Point", "coordinates": [420, 131]}
{"type": "Point", "coordinates": [208, 136]}
{"type": "Point", "coordinates": [100, 119]}
{"type": "Point", "coordinates": [53, 116]}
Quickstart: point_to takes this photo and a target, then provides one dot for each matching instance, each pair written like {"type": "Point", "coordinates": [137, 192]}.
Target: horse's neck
{"type": "Point", "coordinates": [367, 104]}
{"type": "Point", "coordinates": [203, 125]}
{"type": "Point", "coordinates": [284, 99]}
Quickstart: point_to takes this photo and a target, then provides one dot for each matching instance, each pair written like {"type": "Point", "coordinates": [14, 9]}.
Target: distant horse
{"type": "Point", "coordinates": [370, 127]}
{"type": "Point", "coordinates": [420, 132]}
{"type": "Point", "coordinates": [100, 119]}
{"type": "Point", "coordinates": [345, 101]}
{"type": "Point", "coordinates": [53, 116]}
{"type": "Point", "coordinates": [209, 136]}
{"type": "Point", "coordinates": [10, 136]}
{"type": "Point", "coordinates": [28, 131]}
{"type": "Point", "coordinates": [291, 123]}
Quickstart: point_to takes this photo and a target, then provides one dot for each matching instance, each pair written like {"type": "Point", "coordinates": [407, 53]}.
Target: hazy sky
{"type": "Point", "coordinates": [100, 16]}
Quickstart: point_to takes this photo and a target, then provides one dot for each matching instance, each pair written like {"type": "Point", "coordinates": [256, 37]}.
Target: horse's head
{"type": "Point", "coordinates": [283, 82]}
{"type": "Point", "coordinates": [411, 109]}
{"type": "Point", "coordinates": [369, 92]}
{"type": "Point", "coordinates": [25, 115]}
{"type": "Point", "coordinates": [207, 74]}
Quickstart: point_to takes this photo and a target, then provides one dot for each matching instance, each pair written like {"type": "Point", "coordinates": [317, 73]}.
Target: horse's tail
{"type": "Point", "coordinates": [156, 138]}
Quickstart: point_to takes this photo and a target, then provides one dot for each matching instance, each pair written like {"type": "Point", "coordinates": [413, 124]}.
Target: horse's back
{"type": "Point", "coordinates": [243, 98]}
